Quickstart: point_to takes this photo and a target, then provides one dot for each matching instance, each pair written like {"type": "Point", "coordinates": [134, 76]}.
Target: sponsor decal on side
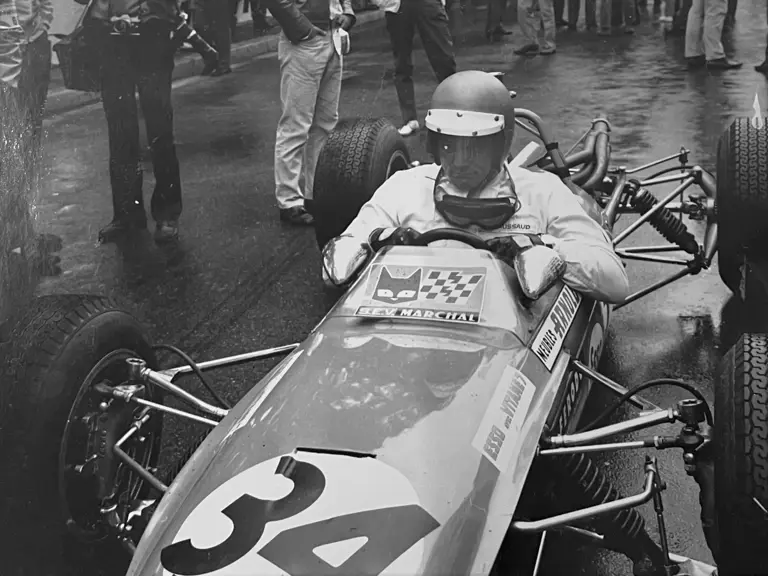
{"type": "Point", "coordinates": [504, 418]}
{"type": "Point", "coordinates": [591, 357]}
{"type": "Point", "coordinates": [425, 293]}
{"type": "Point", "coordinates": [304, 513]}
{"type": "Point", "coordinates": [550, 337]}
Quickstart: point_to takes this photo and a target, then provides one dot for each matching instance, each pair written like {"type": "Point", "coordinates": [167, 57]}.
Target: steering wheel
{"type": "Point", "coordinates": [456, 234]}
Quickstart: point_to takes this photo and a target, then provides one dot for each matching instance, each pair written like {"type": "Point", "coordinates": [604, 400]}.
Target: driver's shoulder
{"type": "Point", "coordinates": [536, 182]}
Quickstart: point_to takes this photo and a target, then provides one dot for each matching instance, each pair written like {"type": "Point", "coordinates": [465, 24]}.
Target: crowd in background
{"type": "Point", "coordinates": [135, 42]}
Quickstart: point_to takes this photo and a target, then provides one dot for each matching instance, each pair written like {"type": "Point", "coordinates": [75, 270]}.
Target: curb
{"type": "Point", "coordinates": [189, 65]}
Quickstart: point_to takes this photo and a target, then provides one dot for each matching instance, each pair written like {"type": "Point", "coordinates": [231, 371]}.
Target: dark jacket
{"type": "Point", "coordinates": [296, 17]}
{"type": "Point", "coordinates": [146, 10]}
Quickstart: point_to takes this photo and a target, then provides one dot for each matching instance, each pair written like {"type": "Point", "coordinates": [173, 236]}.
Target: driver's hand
{"type": "Point", "coordinates": [392, 237]}
{"type": "Point", "coordinates": [507, 247]}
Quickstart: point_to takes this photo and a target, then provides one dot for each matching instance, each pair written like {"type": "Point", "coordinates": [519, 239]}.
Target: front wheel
{"type": "Point", "coordinates": [741, 458]}
{"type": "Point", "coordinates": [357, 158]}
{"type": "Point", "coordinates": [742, 201]}
{"type": "Point", "coordinates": [63, 490]}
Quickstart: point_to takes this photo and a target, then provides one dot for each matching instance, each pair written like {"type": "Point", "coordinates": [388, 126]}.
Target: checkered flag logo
{"type": "Point", "coordinates": [449, 287]}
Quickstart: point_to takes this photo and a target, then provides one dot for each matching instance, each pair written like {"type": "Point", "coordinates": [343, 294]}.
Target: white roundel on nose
{"type": "Point", "coordinates": [301, 514]}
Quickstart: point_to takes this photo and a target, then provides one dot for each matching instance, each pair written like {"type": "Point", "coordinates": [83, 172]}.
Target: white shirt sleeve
{"type": "Point", "coordinates": [594, 268]}
{"type": "Point", "coordinates": [381, 211]}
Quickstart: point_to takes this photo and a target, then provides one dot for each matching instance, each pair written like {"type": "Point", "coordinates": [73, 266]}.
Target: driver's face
{"type": "Point", "coordinates": [466, 161]}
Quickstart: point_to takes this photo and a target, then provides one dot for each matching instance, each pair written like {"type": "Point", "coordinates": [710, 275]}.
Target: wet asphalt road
{"type": "Point", "coordinates": [239, 280]}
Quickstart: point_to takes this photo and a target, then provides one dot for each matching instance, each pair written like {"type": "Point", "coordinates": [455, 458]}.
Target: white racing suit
{"type": "Point", "coordinates": [547, 206]}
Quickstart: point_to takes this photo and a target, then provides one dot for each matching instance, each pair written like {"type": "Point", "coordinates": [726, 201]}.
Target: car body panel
{"type": "Point", "coordinates": [408, 403]}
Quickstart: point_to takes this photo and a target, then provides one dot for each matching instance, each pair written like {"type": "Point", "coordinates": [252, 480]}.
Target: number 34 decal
{"type": "Point", "coordinates": [363, 513]}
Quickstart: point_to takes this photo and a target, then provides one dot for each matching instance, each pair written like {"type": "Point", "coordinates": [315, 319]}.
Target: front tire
{"type": "Point", "coordinates": [357, 158]}
{"type": "Point", "coordinates": [59, 348]}
{"type": "Point", "coordinates": [742, 199]}
{"type": "Point", "coordinates": [741, 457]}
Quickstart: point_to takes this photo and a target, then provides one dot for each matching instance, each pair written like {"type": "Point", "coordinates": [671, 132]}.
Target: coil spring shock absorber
{"type": "Point", "coordinates": [584, 484]}
{"type": "Point", "coordinates": [663, 219]}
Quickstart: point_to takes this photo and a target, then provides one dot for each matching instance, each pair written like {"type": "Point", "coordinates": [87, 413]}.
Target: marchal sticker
{"type": "Point", "coordinates": [305, 513]}
{"type": "Point", "coordinates": [550, 337]}
{"type": "Point", "coordinates": [410, 292]}
{"type": "Point", "coordinates": [504, 418]}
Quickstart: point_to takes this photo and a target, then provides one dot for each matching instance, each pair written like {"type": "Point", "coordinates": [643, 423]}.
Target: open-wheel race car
{"type": "Point", "coordinates": [431, 436]}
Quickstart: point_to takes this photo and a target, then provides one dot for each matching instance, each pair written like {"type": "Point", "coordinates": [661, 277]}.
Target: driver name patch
{"type": "Point", "coordinates": [424, 293]}
{"type": "Point", "coordinates": [550, 337]}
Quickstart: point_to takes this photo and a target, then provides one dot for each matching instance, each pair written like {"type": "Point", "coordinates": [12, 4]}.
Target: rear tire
{"type": "Point", "coordinates": [357, 158]}
{"type": "Point", "coordinates": [741, 457]}
{"type": "Point", "coordinates": [52, 352]}
{"type": "Point", "coordinates": [742, 198]}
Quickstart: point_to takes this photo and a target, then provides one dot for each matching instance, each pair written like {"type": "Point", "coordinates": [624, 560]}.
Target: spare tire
{"type": "Point", "coordinates": [741, 458]}
{"type": "Point", "coordinates": [742, 198]}
{"type": "Point", "coordinates": [357, 158]}
{"type": "Point", "coordinates": [57, 433]}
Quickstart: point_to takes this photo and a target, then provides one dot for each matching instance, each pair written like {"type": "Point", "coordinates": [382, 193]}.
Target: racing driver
{"type": "Point", "coordinates": [471, 186]}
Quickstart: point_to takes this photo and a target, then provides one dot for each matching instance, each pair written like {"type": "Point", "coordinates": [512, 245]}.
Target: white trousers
{"type": "Point", "coordinates": [704, 29]}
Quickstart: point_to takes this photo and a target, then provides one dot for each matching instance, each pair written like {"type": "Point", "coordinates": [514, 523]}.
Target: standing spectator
{"type": "Point", "coordinates": [310, 86]}
{"type": "Point", "coordinates": [533, 15]}
{"type": "Point", "coordinates": [730, 14]}
{"type": "Point", "coordinates": [574, 7]}
{"type": "Point", "coordinates": [25, 72]}
{"type": "Point", "coordinates": [560, 22]}
{"type": "Point", "coordinates": [703, 32]}
{"type": "Point", "coordinates": [403, 19]}
{"type": "Point", "coordinates": [621, 12]}
{"type": "Point", "coordinates": [215, 21]}
{"type": "Point", "coordinates": [258, 17]}
{"type": "Point", "coordinates": [128, 61]}
{"type": "Point", "coordinates": [25, 57]}
{"type": "Point", "coordinates": [494, 29]}
{"type": "Point", "coordinates": [763, 66]}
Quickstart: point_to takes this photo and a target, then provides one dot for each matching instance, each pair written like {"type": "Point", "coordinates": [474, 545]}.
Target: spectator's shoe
{"type": "Point", "coordinates": [562, 23]}
{"type": "Point", "coordinates": [572, 28]}
{"type": "Point", "coordinates": [166, 231]}
{"type": "Point", "coordinates": [497, 34]}
{"type": "Point", "coordinates": [628, 30]}
{"type": "Point", "coordinates": [210, 67]}
{"type": "Point", "coordinates": [547, 51]}
{"type": "Point", "coordinates": [696, 62]}
{"type": "Point", "coordinates": [296, 215]}
{"type": "Point", "coordinates": [528, 50]}
{"type": "Point", "coordinates": [603, 31]}
{"type": "Point", "coordinates": [723, 64]}
{"type": "Point", "coordinates": [120, 228]}
{"type": "Point", "coordinates": [410, 128]}
{"type": "Point", "coordinates": [221, 70]}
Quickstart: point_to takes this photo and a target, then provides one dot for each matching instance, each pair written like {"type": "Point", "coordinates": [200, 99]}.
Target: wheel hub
{"type": "Point", "coordinates": [97, 489]}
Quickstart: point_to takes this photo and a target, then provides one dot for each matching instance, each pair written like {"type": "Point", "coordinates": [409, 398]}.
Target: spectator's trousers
{"type": "Point", "coordinates": [145, 63]}
{"type": "Point", "coordinates": [590, 13]}
{"type": "Point", "coordinates": [33, 83]}
{"type": "Point", "coordinates": [704, 29]}
{"type": "Point", "coordinates": [310, 86]}
{"type": "Point", "coordinates": [430, 19]}
{"type": "Point", "coordinates": [215, 22]}
{"type": "Point", "coordinates": [533, 15]}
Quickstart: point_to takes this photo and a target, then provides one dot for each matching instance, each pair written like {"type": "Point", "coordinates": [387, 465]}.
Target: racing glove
{"type": "Point", "coordinates": [381, 237]}
{"type": "Point", "coordinates": [507, 247]}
